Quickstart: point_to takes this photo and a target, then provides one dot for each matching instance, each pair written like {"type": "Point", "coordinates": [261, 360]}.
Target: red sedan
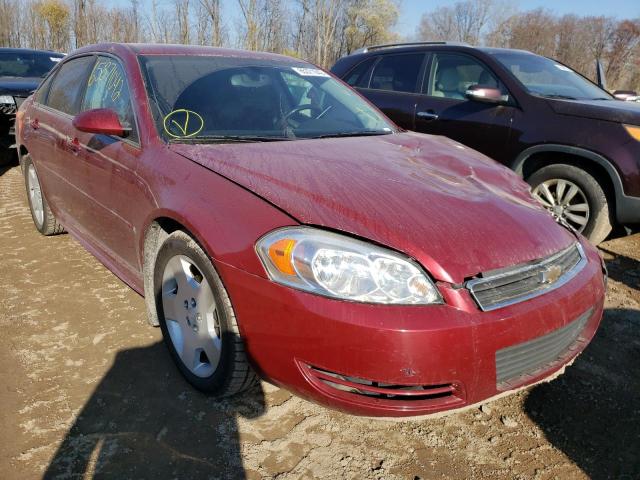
{"type": "Point", "coordinates": [278, 224]}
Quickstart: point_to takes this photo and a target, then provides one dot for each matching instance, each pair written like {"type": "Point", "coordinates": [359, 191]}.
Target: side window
{"type": "Point", "coordinates": [67, 87]}
{"type": "Point", "coordinates": [398, 73]}
{"type": "Point", "coordinates": [452, 75]}
{"type": "Point", "coordinates": [107, 88]}
{"type": "Point", "coordinates": [358, 77]}
{"type": "Point", "coordinates": [43, 89]}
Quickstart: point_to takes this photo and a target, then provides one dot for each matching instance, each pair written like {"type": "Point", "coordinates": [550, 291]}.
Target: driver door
{"type": "Point", "coordinates": [106, 167]}
{"type": "Point", "coordinates": [443, 109]}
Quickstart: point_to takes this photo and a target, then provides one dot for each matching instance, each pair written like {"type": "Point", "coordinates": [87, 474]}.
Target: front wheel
{"type": "Point", "coordinates": [197, 320]}
{"type": "Point", "coordinates": [575, 197]}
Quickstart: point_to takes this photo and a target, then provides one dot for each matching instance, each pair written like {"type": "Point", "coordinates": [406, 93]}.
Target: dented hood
{"type": "Point", "coordinates": [454, 210]}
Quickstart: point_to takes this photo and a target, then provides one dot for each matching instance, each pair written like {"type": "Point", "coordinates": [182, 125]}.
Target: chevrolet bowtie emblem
{"type": "Point", "coordinates": [550, 274]}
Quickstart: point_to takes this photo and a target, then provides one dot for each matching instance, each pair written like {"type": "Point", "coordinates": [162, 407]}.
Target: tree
{"type": "Point", "coordinates": [211, 8]}
{"type": "Point", "coordinates": [368, 22]}
{"type": "Point", "coordinates": [55, 14]}
{"type": "Point", "coordinates": [464, 21]}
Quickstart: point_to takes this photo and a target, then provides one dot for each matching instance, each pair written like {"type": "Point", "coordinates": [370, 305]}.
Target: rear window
{"type": "Point", "coordinates": [398, 73]}
{"type": "Point", "coordinates": [27, 64]}
{"type": "Point", "coordinates": [67, 88]}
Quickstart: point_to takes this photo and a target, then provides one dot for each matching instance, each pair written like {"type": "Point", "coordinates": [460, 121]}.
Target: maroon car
{"type": "Point", "coordinates": [277, 223]}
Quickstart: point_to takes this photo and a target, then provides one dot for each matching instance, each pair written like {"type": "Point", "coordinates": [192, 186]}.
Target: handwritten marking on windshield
{"type": "Point", "coordinates": [182, 123]}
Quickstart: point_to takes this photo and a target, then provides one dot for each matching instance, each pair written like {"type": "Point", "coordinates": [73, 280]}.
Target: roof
{"type": "Point", "coordinates": [412, 46]}
{"type": "Point", "coordinates": [492, 50]}
{"type": "Point", "coordinates": [173, 49]}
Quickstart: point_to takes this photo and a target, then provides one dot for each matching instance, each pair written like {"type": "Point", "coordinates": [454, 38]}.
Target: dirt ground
{"type": "Point", "coordinates": [87, 390]}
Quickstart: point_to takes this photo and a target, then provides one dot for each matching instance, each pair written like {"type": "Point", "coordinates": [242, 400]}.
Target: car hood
{"type": "Point", "coordinates": [608, 110]}
{"type": "Point", "coordinates": [454, 210]}
{"type": "Point", "coordinates": [19, 86]}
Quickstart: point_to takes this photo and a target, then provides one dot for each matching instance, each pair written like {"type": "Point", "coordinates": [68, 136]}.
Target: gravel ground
{"type": "Point", "coordinates": [88, 390]}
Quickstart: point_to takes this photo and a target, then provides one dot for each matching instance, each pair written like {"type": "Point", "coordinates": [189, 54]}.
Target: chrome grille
{"type": "Point", "coordinates": [534, 356]}
{"type": "Point", "coordinates": [504, 287]}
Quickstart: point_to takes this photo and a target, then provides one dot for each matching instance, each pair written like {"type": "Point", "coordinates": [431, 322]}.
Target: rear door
{"type": "Point", "coordinates": [392, 83]}
{"type": "Point", "coordinates": [443, 109]}
{"type": "Point", "coordinates": [48, 126]}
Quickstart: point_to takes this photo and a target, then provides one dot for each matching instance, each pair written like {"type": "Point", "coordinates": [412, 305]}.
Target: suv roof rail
{"type": "Point", "coordinates": [405, 44]}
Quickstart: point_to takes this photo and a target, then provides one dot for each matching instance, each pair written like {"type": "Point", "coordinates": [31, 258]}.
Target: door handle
{"type": "Point", "coordinates": [35, 124]}
{"type": "Point", "coordinates": [430, 115]}
{"type": "Point", "coordinates": [73, 144]}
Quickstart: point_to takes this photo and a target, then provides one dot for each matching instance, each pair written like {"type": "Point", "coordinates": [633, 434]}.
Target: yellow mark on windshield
{"type": "Point", "coordinates": [183, 123]}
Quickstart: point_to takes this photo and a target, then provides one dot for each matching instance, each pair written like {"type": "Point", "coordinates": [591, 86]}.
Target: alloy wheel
{"type": "Point", "coordinates": [565, 200]}
{"type": "Point", "coordinates": [191, 316]}
{"type": "Point", "coordinates": [35, 195]}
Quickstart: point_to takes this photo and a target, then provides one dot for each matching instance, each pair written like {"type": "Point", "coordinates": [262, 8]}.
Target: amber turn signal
{"type": "Point", "coordinates": [633, 130]}
{"type": "Point", "coordinates": [280, 255]}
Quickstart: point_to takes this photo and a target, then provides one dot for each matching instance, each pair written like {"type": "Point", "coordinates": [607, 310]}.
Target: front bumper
{"type": "Point", "coordinates": [385, 360]}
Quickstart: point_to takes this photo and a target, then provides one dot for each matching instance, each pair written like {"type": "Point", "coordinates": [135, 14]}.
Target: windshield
{"type": "Point", "coordinates": [27, 64]}
{"type": "Point", "coordinates": [547, 78]}
{"type": "Point", "coordinates": [214, 98]}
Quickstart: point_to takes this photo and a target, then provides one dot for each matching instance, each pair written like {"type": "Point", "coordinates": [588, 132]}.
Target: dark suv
{"type": "Point", "coordinates": [576, 145]}
{"type": "Point", "coordinates": [21, 71]}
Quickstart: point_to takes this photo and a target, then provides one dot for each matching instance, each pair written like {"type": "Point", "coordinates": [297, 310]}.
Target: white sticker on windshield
{"type": "Point", "coordinates": [55, 59]}
{"type": "Point", "coordinates": [562, 67]}
{"type": "Point", "coordinates": [310, 72]}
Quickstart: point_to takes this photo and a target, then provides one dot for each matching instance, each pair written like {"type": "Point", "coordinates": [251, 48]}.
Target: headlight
{"type": "Point", "coordinates": [7, 100]}
{"type": "Point", "coordinates": [341, 267]}
{"type": "Point", "coordinates": [633, 130]}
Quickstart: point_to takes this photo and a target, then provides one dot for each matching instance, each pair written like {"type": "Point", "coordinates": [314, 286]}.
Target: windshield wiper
{"type": "Point", "coordinates": [557, 95]}
{"type": "Point", "coordinates": [359, 133]}
{"type": "Point", "coordinates": [228, 139]}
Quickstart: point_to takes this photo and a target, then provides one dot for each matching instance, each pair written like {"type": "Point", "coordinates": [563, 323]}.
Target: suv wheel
{"type": "Point", "coordinates": [197, 320]}
{"type": "Point", "coordinates": [574, 196]}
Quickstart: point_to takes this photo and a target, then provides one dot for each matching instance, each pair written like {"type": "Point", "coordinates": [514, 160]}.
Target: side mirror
{"type": "Point", "coordinates": [483, 93]}
{"type": "Point", "coordinates": [100, 120]}
{"type": "Point", "coordinates": [624, 95]}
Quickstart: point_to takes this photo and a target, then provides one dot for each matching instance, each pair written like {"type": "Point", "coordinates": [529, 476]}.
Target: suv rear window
{"type": "Point", "coordinates": [398, 73]}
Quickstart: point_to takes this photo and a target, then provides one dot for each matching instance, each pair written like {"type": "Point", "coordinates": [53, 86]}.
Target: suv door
{"type": "Point", "coordinates": [106, 167]}
{"type": "Point", "coordinates": [48, 125]}
{"type": "Point", "coordinates": [392, 85]}
{"type": "Point", "coordinates": [443, 109]}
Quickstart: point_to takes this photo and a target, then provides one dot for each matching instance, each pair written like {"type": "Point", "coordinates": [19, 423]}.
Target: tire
{"type": "Point", "coordinates": [205, 344]}
{"type": "Point", "coordinates": [596, 223]}
{"type": "Point", "coordinates": [43, 219]}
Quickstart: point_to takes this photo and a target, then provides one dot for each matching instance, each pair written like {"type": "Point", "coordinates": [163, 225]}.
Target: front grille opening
{"type": "Point", "coordinates": [499, 288]}
{"type": "Point", "coordinates": [380, 390]}
{"type": "Point", "coordinates": [517, 363]}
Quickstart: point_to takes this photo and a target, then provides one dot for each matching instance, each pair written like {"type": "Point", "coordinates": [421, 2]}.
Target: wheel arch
{"type": "Point", "coordinates": [534, 158]}
{"type": "Point", "coordinates": [159, 227]}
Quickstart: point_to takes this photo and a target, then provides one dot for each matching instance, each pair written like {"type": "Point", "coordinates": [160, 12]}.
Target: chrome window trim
{"type": "Point", "coordinates": [562, 280]}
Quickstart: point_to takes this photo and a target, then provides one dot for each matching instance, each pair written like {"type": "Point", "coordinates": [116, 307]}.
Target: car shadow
{"type": "Point", "coordinates": [623, 269]}
{"type": "Point", "coordinates": [144, 421]}
{"type": "Point", "coordinates": [592, 412]}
